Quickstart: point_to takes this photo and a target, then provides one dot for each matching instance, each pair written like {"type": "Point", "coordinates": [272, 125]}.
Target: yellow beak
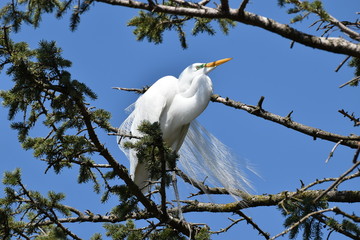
{"type": "Point", "coordinates": [217, 63]}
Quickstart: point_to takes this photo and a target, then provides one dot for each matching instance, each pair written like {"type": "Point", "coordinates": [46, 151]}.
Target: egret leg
{"type": "Point", "coordinates": [176, 191]}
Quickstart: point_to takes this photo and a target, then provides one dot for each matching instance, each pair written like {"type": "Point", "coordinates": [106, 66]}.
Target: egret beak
{"type": "Point", "coordinates": [217, 63]}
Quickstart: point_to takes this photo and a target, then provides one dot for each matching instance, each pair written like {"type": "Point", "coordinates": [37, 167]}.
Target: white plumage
{"type": "Point", "coordinates": [175, 104]}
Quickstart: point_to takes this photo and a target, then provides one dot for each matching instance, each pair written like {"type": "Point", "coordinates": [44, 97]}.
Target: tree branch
{"type": "Point", "coordinates": [243, 6]}
{"type": "Point", "coordinates": [350, 141]}
{"type": "Point", "coordinates": [268, 200]}
{"type": "Point", "coordinates": [338, 181]}
{"type": "Point", "coordinates": [335, 45]}
{"type": "Point", "coordinates": [253, 224]}
{"type": "Point", "coordinates": [52, 217]}
{"type": "Point", "coordinates": [300, 221]}
{"type": "Point", "coordinates": [352, 217]}
{"type": "Point", "coordinates": [235, 207]}
{"type": "Point", "coordinates": [122, 172]}
{"type": "Point", "coordinates": [224, 5]}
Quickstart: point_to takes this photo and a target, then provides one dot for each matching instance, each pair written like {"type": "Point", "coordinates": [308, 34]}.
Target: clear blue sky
{"type": "Point", "coordinates": [105, 55]}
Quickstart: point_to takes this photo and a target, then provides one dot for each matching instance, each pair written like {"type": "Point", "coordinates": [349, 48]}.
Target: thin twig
{"type": "Point", "coordinates": [233, 222]}
{"type": "Point", "coordinates": [355, 79]}
{"type": "Point", "coordinates": [124, 135]}
{"type": "Point", "coordinates": [351, 117]}
{"type": "Point", "coordinates": [356, 155]}
{"type": "Point", "coordinates": [342, 63]}
{"type": "Point", "coordinates": [137, 90]}
{"type": "Point", "coordinates": [317, 182]}
{"type": "Point", "coordinates": [300, 221]}
{"type": "Point", "coordinates": [338, 181]}
{"type": "Point", "coordinates": [332, 151]}
{"type": "Point", "coordinates": [252, 223]}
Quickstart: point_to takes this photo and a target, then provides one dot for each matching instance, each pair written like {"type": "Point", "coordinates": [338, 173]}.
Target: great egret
{"type": "Point", "coordinates": [175, 104]}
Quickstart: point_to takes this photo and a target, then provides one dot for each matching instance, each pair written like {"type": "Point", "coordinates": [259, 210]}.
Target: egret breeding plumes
{"type": "Point", "coordinates": [175, 103]}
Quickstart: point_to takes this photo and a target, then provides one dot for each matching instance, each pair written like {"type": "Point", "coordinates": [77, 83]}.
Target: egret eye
{"type": "Point", "coordinates": [200, 66]}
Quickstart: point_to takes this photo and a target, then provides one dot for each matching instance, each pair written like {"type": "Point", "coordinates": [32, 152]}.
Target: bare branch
{"type": "Point", "coordinates": [352, 217]}
{"type": "Point", "coordinates": [354, 80]}
{"type": "Point", "coordinates": [233, 222]}
{"type": "Point", "coordinates": [317, 182]}
{"type": "Point", "coordinates": [351, 117]}
{"type": "Point", "coordinates": [342, 63]}
{"type": "Point", "coordinates": [352, 34]}
{"type": "Point", "coordinates": [140, 91]}
{"type": "Point", "coordinates": [252, 223]}
{"type": "Point", "coordinates": [243, 6]}
{"type": "Point", "coordinates": [332, 151]}
{"type": "Point", "coordinates": [224, 5]}
{"type": "Point", "coordinates": [338, 181]}
{"type": "Point", "coordinates": [350, 141]}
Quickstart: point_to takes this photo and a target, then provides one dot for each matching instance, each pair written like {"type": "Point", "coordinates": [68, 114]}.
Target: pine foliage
{"type": "Point", "coordinates": [302, 9]}
{"type": "Point", "coordinates": [152, 25]}
{"type": "Point", "coordinates": [153, 152]}
{"type": "Point", "coordinates": [294, 211]}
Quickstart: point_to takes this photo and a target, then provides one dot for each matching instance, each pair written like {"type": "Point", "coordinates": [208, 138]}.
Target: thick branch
{"type": "Point", "coordinates": [335, 45]}
{"type": "Point", "coordinates": [270, 200]}
{"type": "Point", "coordinates": [234, 207]}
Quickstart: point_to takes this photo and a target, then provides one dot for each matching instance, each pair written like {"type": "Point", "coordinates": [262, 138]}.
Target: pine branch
{"type": "Point", "coordinates": [52, 217]}
{"type": "Point", "coordinates": [122, 172]}
{"type": "Point", "coordinates": [196, 206]}
{"type": "Point", "coordinates": [336, 226]}
{"type": "Point", "coordinates": [335, 45]}
{"type": "Point", "coordinates": [300, 221]}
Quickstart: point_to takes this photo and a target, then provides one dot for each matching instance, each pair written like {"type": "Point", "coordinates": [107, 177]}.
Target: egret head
{"type": "Point", "coordinates": [196, 69]}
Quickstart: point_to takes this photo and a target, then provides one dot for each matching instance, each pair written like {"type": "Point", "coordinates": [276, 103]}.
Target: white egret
{"type": "Point", "coordinates": [175, 103]}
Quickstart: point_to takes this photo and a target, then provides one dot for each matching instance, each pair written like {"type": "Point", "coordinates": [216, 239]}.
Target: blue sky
{"type": "Point", "coordinates": [105, 54]}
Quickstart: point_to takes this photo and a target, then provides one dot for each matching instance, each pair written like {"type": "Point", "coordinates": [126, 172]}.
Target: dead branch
{"type": "Point", "coordinates": [253, 224]}
{"type": "Point", "coordinates": [338, 181]}
{"type": "Point", "coordinates": [351, 117]}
